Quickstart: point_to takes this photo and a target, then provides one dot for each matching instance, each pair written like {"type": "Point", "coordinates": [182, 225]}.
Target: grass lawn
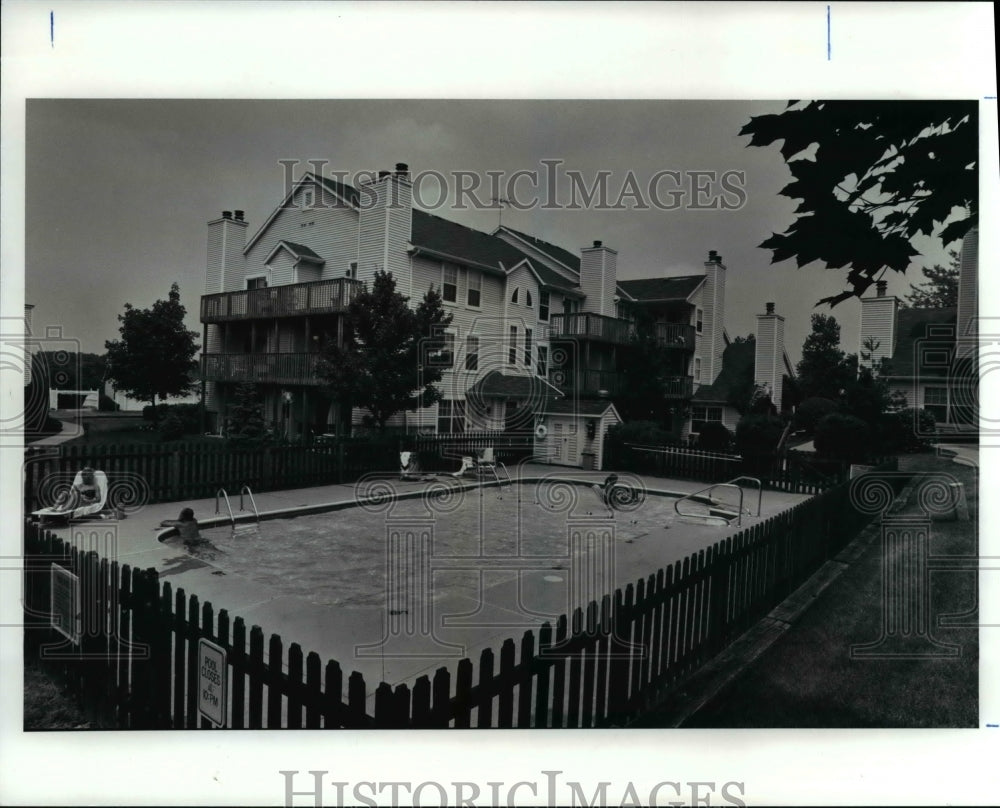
{"type": "Point", "coordinates": [46, 706]}
{"type": "Point", "coordinates": [808, 677]}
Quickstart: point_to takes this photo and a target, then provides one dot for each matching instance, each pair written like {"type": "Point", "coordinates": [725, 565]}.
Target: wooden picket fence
{"type": "Point", "coordinates": [672, 461]}
{"type": "Point", "coordinates": [143, 473]}
{"type": "Point", "coordinates": [604, 665]}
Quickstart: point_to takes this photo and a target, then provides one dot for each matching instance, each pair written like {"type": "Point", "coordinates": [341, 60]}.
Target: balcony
{"type": "Point", "coordinates": [590, 382]}
{"type": "Point", "coordinates": [262, 368]}
{"type": "Point", "coordinates": [675, 335]}
{"type": "Point", "coordinates": [591, 326]}
{"type": "Point", "coordinates": [316, 297]}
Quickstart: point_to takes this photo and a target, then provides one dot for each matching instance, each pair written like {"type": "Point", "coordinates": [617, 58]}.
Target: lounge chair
{"type": "Point", "coordinates": [71, 507]}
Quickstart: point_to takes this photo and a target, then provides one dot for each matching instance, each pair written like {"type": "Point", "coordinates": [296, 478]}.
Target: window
{"type": "Point", "coordinates": [516, 295]}
{"type": "Point", "coordinates": [352, 270]}
{"type": "Point", "coordinates": [475, 287]}
{"type": "Point", "coordinates": [512, 350]}
{"type": "Point", "coordinates": [451, 416]}
{"type": "Point", "coordinates": [543, 306]}
{"type": "Point", "coordinates": [936, 402]}
{"type": "Point", "coordinates": [440, 351]}
{"type": "Point", "coordinates": [449, 283]}
{"type": "Point", "coordinates": [308, 198]}
{"type": "Point", "coordinates": [527, 347]}
{"type": "Point", "coordinates": [256, 283]}
{"type": "Point", "coordinates": [527, 298]}
{"type": "Point", "coordinates": [697, 368]}
{"type": "Point", "coordinates": [702, 415]}
{"type": "Point", "coordinates": [697, 320]}
{"type": "Point", "coordinates": [472, 353]}
{"type": "Point", "coordinates": [543, 360]}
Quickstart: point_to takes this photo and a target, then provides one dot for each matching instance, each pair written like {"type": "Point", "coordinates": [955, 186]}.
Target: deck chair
{"type": "Point", "coordinates": [408, 466]}
{"type": "Point", "coordinates": [485, 461]}
{"type": "Point", "coordinates": [72, 508]}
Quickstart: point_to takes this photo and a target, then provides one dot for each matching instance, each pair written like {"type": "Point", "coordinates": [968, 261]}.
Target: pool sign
{"type": "Point", "coordinates": [66, 615]}
{"type": "Point", "coordinates": [213, 676]}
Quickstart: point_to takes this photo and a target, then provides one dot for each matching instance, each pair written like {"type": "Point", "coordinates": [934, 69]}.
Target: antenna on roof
{"type": "Point", "coordinates": [501, 201]}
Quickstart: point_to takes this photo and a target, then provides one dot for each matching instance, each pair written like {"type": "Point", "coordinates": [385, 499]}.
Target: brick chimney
{"type": "Point", "coordinates": [598, 278]}
{"type": "Point", "coordinates": [769, 366]}
{"type": "Point", "coordinates": [713, 306]}
{"type": "Point", "coordinates": [224, 268]}
{"type": "Point", "coordinates": [878, 322]}
{"type": "Point", "coordinates": [385, 227]}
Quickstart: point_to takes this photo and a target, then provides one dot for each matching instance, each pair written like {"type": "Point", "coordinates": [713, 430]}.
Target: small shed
{"type": "Point", "coordinates": [571, 433]}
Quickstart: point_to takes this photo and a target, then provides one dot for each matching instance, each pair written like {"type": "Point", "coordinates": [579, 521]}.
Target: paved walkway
{"type": "Point", "coordinates": [464, 621]}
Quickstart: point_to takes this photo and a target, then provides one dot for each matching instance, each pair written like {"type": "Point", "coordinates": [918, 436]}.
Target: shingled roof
{"type": "Point", "coordinates": [648, 290]}
{"type": "Point", "coordinates": [497, 385]}
{"type": "Point", "coordinates": [564, 257]}
{"type": "Point", "coordinates": [737, 358]}
{"type": "Point", "coordinates": [922, 337]}
{"type": "Point", "coordinates": [474, 246]}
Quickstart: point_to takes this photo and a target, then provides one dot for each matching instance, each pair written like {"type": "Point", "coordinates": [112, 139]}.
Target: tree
{"type": "Point", "coordinates": [825, 370]}
{"type": "Point", "coordinates": [155, 356]}
{"type": "Point", "coordinates": [646, 372]}
{"type": "Point", "coordinates": [392, 356]}
{"type": "Point", "coordinates": [940, 289]}
{"type": "Point", "coordinates": [840, 436]}
{"type": "Point", "coordinates": [245, 423]}
{"type": "Point", "coordinates": [877, 174]}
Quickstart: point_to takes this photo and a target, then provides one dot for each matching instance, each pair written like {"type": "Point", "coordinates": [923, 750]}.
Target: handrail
{"type": "Point", "coordinates": [739, 515]}
{"type": "Point", "coordinates": [760, 491]}
{"type": "Point", "coordinates": [249, 493]}
{"type": "Point", "coordinates": [734, 483]}
{"type": "Point", "coordinates": [229, 506]}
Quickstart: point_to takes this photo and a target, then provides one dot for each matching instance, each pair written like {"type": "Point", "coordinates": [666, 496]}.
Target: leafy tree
{"type": "Point", "coordinates": [392, 356]}
{"type": "Point", "coordinates": [155, 356]}
{"type": "Point", "coordinates": [715, 437]}
{"type": "Point", "coordinates": [866, 397]}
{"type": "Point", "coordinates": [824, 370]}
{"type": "Point", "coordinates": [843, 437]}
{"type": "Point", "coordinates": [811, 411]}
{"type": "Point", "coordinates": [870, 176]}
{"type": "Point", "coordinates": [940, 289]}
{"type": "Point", "coordinates": [245, 423]}
{"type": "Point", "coordinates": [757, 439]}
{"type": "Point", "coordinates": [645, 373]}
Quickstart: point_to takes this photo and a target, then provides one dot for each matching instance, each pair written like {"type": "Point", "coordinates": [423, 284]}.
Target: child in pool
{"type": "Point", "coordinates": [187, 527]}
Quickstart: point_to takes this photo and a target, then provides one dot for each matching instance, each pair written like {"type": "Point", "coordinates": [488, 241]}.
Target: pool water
{"type": "Point", "coordinates": [339, 558]}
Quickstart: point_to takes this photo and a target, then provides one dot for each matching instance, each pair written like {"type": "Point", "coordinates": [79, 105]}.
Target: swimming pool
{"type": "Point", "coordinates": [359, 556]}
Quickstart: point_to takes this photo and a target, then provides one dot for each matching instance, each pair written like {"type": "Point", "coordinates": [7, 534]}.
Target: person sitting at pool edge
{"type": "Point", "coordinates": [187, 526]}
{"type": "Point", "coordinates": [604, 491]}
{"type": "Point", "coordinates": [83, 493]}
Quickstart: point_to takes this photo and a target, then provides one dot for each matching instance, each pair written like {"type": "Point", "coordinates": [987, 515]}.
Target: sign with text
{"type": "Point", "coordinates": [66, 614]}
{"type": "Point", "coordinates": [213, 680]}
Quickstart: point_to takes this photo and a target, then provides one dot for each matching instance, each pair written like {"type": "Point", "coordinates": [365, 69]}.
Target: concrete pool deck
{"type": "Point", "coordinates": [466, 619]}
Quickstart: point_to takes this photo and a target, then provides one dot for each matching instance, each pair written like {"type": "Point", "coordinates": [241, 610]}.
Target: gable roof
{"type": "Point", "coordinates": [346, 192]}
{"type": "Point", "coordinates": [564, 257]}
{"type": "Point", "coordinates": [921, 336]}
{"type": "Point", "coordinates": [299, 252]}
{"type": "Point", "coordinates": [497, 385]}
{"type": "Point", "coordinates": [474, 247]}
{"type": "Point", "coordinates": [648, 290]}
{"type": "Point", "coordinates": [737, 358]}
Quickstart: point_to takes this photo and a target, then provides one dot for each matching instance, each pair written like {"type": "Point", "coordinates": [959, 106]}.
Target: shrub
{"type": "Point", "coordinates": [189, 415]}
{"type": "Point", "coordinates": [171, 427]}
{"type": "Point", "coordinates": [106, 404]}
{"type": "Point", "coordinates": [811, 411]}
{"type": "Point", "coordinates": [714, 437]}
{"type": "Point", "coordinates": [645, 433]}
{"type": "Point", "coordinates": [843, 437]}
{"type": "Point", "coordinates": [757, 438]}
{"type": "Point", "coordinates": [909, 430]}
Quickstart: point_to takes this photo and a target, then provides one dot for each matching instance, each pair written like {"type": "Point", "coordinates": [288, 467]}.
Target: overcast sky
{"type": "Point", "coordinates": [119, 191]}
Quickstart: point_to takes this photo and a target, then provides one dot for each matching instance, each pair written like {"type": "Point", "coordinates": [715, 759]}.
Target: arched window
{"type": "Point", "coordinates": [513, 297]}
{"type": "Point", "coordinates": [527, 298]}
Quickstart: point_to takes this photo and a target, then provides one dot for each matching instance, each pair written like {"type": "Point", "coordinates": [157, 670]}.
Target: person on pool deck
{"type": "Point", "coordinates": [604, 492]}
{"type": "Point", "coordinates": [187, 527]}
{"type": "Point", "coordinates": [83, 493]}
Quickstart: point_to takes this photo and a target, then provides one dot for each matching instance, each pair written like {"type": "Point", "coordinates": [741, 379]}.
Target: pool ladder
{"type": "Point", "coordinates": [244, 492]}
{"type": "Point", "coordinates": [726, 516]}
